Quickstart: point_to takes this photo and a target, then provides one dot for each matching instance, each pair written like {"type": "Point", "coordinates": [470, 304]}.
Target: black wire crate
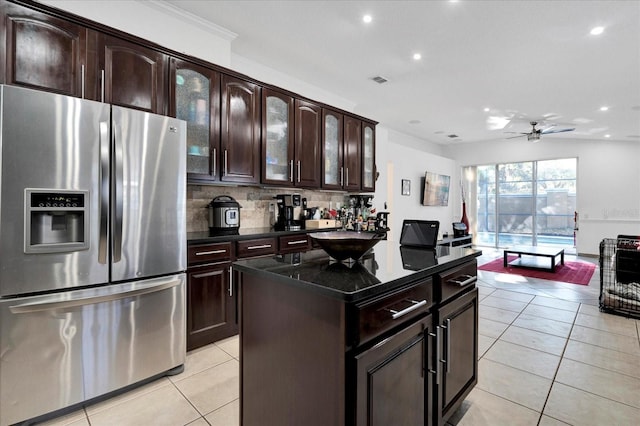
{"type": "Point", "coordinates": [620, 276]}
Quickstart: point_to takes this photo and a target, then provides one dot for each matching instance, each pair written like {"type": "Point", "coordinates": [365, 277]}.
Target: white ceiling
{"type": "Point", "coordinates": [523, 60]}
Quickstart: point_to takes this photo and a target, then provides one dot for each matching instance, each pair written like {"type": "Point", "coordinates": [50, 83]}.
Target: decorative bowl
{"type": "Point", "coordinates": [342, 245]}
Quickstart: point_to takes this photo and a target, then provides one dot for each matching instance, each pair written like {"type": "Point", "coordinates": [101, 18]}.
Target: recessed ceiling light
{"type": "Point", "coordinates": [417, 56]}
{"type": "Point", "coordinates": [367, 19]}
{"type": "Point", "coordinates": [607, 135]}
{"type": "Point", "coordinates": [604, 108]}
{"type": "Point", "coordinates": [487, 110]}
{"type": "Point", "coordinates": [597, 30]}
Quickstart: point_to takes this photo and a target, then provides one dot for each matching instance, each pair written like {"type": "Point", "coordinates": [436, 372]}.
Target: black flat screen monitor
{"type": "Point", "coordinates": [419, 233]}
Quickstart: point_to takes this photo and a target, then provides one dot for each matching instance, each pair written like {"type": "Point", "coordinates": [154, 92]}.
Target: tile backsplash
{"type": "Point", "coordinates": [254, 202]}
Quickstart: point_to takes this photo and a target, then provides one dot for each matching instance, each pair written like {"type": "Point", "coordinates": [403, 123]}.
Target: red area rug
{"type": "Point", "coordinates": [571, 272]}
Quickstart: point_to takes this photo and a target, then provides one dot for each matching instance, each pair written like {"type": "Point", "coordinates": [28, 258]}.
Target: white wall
{"type": "Point", "coordinates": [400, 156]}
{"type": "Point", "coordinates": [608, 180]}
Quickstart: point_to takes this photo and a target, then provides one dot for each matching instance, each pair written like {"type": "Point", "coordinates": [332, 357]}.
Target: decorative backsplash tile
{"type": "Point", "coordinates": [254, 202]}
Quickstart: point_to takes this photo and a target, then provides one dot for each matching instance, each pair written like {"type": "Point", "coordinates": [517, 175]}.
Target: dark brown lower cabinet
{"type": "Point", "coordinates": [211, 301]}
{"type": "Point", "coordinates": [394, 386]}
{"type": "Point", "coordinates": [396, 359]}
{"type": "Point", "coordinates": [458, 321]}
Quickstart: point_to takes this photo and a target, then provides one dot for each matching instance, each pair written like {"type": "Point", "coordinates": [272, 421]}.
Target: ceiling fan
{"type": "Point", "coordinates": [535, 134]}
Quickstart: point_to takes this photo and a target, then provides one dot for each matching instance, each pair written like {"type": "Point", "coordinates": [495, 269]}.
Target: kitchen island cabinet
{"type": "Point", "coordinates": [357, 344]}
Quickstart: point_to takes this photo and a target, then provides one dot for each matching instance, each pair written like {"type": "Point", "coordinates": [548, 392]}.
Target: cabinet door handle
{"type": "Point", "coordinates": [347, 181]}
{"type": "Point", "coordinates": [102, 86]}
{"type": "Point", "coordinates": [230, 282]}
{"type": "Point", "coordinates": [291, 171]}
{"type": "Point", "coordinates": [290, 243]}
{"type": "Point", "coordinates": [437, 370]}
{"type": "Point", "coordinates": [415, 305]}
{"type": "Point", "coordinates": [341, 176]}
{"type": "Point", "coordinates": [447, 336]}
{"type": "Point", "coordinates": [469, 280]}
{"type": "Point", "coordinates": [298, 171]}
{"type": "Point", "coordinates": [259, 247]}
{"type": "Point", "coordinates": [204, 253]}
{"type": "Point", "coordinates": [82, 80]}
{"type": "Point", "coordinates": [225, 163]}
{"type": "Point", "coordinates": [206, 274]}
{"type": "Point", "coordinates": [214, 158]}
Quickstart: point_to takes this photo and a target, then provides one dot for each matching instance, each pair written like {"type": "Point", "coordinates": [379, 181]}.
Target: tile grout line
{"type": "Point", "coordinates": [553, 380]}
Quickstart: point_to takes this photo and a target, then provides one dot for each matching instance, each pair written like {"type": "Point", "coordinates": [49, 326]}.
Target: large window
{"type": "Point", "coordinates": [530, 203]}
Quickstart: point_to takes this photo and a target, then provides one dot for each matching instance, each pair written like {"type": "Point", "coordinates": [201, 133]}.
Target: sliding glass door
{"type": "Point", "coordinates": [526, 203]}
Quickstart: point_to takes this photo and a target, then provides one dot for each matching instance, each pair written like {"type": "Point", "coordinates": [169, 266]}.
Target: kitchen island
{"type": "Point", "coordinates": [390, 339]}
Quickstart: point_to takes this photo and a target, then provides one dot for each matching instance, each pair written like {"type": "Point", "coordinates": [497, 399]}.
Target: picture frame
{"type": "Point", "coordinates": [436, 189]}
{"type": "Point", "coordinates": [406, 187]}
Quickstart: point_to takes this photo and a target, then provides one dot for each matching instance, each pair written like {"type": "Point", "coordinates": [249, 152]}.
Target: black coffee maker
{"type": "Point", "coordinates": [286, 220]}
{"type": "Point", "coordinates": [382, 222]}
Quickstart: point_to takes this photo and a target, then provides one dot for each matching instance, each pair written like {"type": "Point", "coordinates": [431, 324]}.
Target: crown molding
{"type": "Point", "coordinates": [190, 18]}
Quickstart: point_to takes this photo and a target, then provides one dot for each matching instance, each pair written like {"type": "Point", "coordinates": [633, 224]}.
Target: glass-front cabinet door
{"type": "Point", "coordinates": [332, 169]}
{"type": "Point", "coordinates": [196, 99]}
{"type": "Point", "coordinates": [277, 138]}
{"type": "Point", "coordinates": [352, 153]}
{"type": "Point", "coordinates": [368, 157]}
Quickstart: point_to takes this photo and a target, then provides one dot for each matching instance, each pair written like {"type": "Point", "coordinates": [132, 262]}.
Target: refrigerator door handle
{"type": "Point", "coordinates": [118, 189]}
{"type": "Point", "coordinates": [103, 193]}
{"type": "Point", "coordinates": [70, 303]}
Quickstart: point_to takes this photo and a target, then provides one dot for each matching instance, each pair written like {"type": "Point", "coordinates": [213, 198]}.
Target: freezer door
{"type": "Point", "coordinates": [64, 348]}
{"type": "Point", "coordinates": [148, 211]}
{"type": "Point", "coordinates": [52, 144]}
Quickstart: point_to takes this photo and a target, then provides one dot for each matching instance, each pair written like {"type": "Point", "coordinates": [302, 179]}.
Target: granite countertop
{"type": "Point", "coordinates": [385, 267]}
{"type": "Point", "coordinates": [203, 237]}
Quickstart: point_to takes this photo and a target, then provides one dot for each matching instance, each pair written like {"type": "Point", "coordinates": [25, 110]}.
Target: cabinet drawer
{"type": "Point", "coordinates": [383, 314]}
{"type": "Point", "coordinates": [217, 252]}
{"type": "Point", "coordinates": [457, 280]}
{"type": "Point", "coordinates": [257, 247]}
{"type": "Point", "coordinates": [293, 243]}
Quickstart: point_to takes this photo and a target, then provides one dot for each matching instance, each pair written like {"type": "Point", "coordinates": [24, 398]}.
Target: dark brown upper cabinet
{"type": "Point", "coordinates": [194, 96]}
{"type": "Point", "coordinates": [277, 138]}
{"type": "Point", "coordinates": [369, 172]}
{"type": "Point", "coordinates": [42, 52]}
{"type": "Point", "coordinates": [332, 170]}
{"type": "Point", "coordinates": [291, 144]}
{"type": "Point", "coordinates": [235, 133]}
{"type": "Point", "coordinates": [240, 126]}
{"type": "Point", "coordinates": [130, 75]}
{"type": "Point", "coordinates": [308, 144]}
{"type": "Point", "coordinates": [352, 153]}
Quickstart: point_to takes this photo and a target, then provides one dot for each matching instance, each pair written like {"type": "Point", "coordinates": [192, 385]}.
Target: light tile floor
{"type": "Point", "coordinates": [547, 356]}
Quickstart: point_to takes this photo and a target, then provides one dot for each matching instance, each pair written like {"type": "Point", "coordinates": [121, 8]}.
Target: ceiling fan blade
{"type": "Point", "coordinates": [547, 131]}
{"type": "Point", "coordinates": [519, 136]}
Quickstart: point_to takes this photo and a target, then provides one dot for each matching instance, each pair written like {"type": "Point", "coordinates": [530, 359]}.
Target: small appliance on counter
{"type": "Point", "coordinates": [289, 208]}
{"type": "Point", "coordinates": [459, 229]}
{"type": "Point", "coordinates": [224, 216]}
{"type": "Point", "coordinates": [382, 222]}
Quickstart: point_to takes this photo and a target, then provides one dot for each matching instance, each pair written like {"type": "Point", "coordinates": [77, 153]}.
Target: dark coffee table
{"type": "Point", "coordinates": [532, 255]}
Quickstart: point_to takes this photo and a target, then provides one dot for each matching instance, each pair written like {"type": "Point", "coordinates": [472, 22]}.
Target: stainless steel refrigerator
{"type": "Point", "coordinates": [92, 250]}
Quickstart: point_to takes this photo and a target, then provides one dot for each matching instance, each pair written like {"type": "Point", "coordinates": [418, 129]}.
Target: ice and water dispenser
{"type": "Point", "coordinates": [56, 221]}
